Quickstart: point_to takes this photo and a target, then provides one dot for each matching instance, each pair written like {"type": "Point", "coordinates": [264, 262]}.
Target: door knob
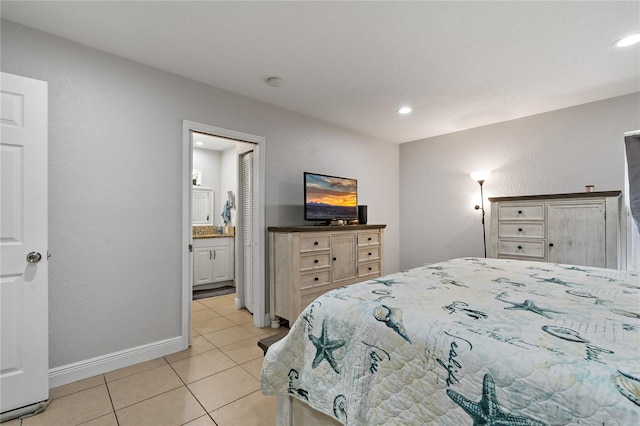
{"type": "Point", "coordinates": [34, 257]}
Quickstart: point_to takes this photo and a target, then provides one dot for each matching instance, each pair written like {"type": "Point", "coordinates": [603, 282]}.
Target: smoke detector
{"type": "Point", "coordinates": [275, 81]}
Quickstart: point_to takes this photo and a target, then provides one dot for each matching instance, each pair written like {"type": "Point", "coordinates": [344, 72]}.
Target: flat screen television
{"type": "Point", "coordinates": [328, 198]}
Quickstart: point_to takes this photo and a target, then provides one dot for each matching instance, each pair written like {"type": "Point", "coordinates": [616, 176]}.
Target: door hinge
{"type": "Point", "coordinates": [190, 248]}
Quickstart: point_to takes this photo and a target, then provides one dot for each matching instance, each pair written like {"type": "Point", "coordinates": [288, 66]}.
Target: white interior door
{"type": "Point", "coordinates": [248, 238]}
{"type": "Point", "coordinates": [24, 363]}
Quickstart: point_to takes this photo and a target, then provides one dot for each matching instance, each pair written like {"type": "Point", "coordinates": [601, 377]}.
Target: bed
{"type": "Point", "coordinates": [465, 342]}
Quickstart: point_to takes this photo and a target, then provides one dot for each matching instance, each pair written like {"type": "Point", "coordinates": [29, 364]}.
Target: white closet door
{"type": "Point", "coordinates": [248, 240]}
{"type": "Point", "coordinates": [24, 345]}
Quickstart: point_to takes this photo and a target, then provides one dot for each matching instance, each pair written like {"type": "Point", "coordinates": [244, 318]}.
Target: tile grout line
{"type": "Point", "coordinates": [224, 307]}
{"type": "Point", "coordinates": [234, 361]}
{"type": "Point", "coordinates": [113, 407]}
{"type": "Point", "coordinates": [184, 384]}
{"type": "Point", "coordinates": [215, 347]}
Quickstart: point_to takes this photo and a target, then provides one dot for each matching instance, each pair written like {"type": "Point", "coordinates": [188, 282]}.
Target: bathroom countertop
{"type": "Point", "coordinates": [200, 236]}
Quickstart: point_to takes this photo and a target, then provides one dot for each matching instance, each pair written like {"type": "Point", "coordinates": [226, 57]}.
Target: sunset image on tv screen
{"type": "Point", "coordinates": [330, 197]}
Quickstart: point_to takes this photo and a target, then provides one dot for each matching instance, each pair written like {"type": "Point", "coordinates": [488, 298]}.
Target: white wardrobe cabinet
{"type": "Point", "coordinates": [577, 228]}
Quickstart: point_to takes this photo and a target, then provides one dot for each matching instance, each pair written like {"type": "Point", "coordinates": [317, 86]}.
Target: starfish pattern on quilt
{"type": "Point", "coordinates": [453, 282]}
{"type": "Point", "coordinates": [388, 283]}
{"type": "Point", "coordinates": [487, 411]}
{"type": "Point", "coordinates": [529, 305]}
{"type": "Point", "coordinates": [572, 268]}
{"type": "Point", "coordinates": [553, 280]}
{"type": "Point", "coordinates": [325, 348]}
{"type": "Point", "coordinates": [501, 280]}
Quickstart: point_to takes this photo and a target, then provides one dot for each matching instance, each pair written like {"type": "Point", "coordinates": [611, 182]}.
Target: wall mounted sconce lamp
{"type": "Point", "coordinates": [480, 177]}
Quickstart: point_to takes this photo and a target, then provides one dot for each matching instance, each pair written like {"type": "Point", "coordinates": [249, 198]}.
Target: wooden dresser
{"type": "Point", "coordinates": [578, 228]}
{"type": "Point", "coordinates": [307, 261]}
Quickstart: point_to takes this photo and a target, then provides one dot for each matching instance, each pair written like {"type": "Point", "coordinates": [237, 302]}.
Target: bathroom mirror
{"type": "Point", "coordinates": [203, 208]}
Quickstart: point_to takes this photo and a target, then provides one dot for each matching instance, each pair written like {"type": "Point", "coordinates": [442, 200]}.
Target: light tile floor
{"type": "Point", "coordinates": [216, 381]}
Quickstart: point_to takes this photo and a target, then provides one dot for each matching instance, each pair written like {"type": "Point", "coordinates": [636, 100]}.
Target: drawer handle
{"type": "Point", "coordinates": [316, 261]}
{"type": "Point", "coordinates": [316, 279]}
{"type": "Point", "coordinates": [315, 243]}
{"type": "Point", "coordinates": [369, 239]}
{"type": "Point", "coordinates": [369, 254]}
{"type": "Point", "coordinates": [550, 244]}
{"type": "Point", "coordinates": [519, 211]}
{"type": "Point", "coordinates": [370, 268]}
{"type": "Point", "coordinates": [519, 247]}
{"type": "Point", "coordinates": [335, 258]}
{"type": "Point", "coordinates": [519, 229]}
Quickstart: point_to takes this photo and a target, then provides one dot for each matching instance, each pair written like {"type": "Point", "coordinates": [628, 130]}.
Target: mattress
{"type": "Point", "coordinates": [468, 342]}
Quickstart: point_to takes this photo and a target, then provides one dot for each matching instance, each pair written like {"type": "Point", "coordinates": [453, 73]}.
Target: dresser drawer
{"type": "Point", "coordinates": [314, 243]}
{"type": "Point", "coordinates": [368, 253]}
{"type": "Point", "coordinates": [309, 296]}
{"type": "Point", "coordinates": [314, 261]}
{"type": "Point", "coordinates": [521, 212]}
{"type": "Point", "coordinates": [533, 259]}
{"type": "Point", "coordinates": [521, 230]}
{"type": "Point", "coordinates": [372, 268]}
{"type": "Point", "coordinates": [313, 279]}
{"type": "Point", "coordinates": [521, 248]}
{"type": "Point", "coordinates": [368, 239]}
{"type": "Point", "coordinates": [307, 261]}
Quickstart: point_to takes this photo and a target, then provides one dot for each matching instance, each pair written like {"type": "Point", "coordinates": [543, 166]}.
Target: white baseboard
{"type": "Point", "coordinates": [103, 364]}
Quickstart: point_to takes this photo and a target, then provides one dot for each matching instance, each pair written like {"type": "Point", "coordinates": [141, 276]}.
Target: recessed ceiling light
{"type": "Point", "coordinates": [629, 40]}
{"type": "Point", "coordinates": [405, 110]}
{"type": "Point", "coordinates": [199, 143]}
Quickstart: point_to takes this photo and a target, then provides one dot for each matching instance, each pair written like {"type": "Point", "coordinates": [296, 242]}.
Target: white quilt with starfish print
{"type": "Point", "coordinates": [469, 342]}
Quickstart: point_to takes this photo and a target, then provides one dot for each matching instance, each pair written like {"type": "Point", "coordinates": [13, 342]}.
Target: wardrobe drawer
{"type": "Point", "coordinates": [521, 248]}
{"type": "Point", "coordinates": [368, 253]}
{"type": "Point", "coordinates": [369, 269]}
{"type": "Point", "coordinates": [368, 238]}
{"type": "Point", "coordinates": [314, 261]}
{"type": "Point", "coordinates": [521, 212]}
{"type": "Point", "coordinates": [314, 243]}
{"type": "Point", "coordinates": [521, 230]}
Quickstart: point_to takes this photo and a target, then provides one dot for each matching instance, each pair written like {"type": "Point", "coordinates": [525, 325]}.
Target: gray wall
{"type": "Point", "coordinates": [556, 152]}
{"type": "Point", "coordinates": [115, 201]}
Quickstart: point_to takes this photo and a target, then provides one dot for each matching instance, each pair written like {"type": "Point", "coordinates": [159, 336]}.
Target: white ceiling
{"type": "Point", "coordinates": [213, 143]}
{"type": "Point", "coordinates": [458, 64]}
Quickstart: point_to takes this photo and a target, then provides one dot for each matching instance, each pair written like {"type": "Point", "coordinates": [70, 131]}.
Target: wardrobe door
{"type": "Point", "coordinates": [577, 233]}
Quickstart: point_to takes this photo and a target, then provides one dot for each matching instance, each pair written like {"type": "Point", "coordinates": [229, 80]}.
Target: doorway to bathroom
{"type": "Point", "coordinates": [218, 180]}
{"type": "Point", "coordinates": [232, 209]}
